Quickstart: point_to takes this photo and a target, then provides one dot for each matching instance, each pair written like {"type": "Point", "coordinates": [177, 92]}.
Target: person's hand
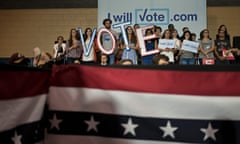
{"type": "Point", "coordinates": [177, 57]}
{"type": "Point", "coordinates": [132, 47]}
{"type": "Point", "coordinates": [228, 52]}
{"type": "Point", "coordinates": [222, 58]}
{"type": "Point", "coordinates": [205, 54]}
{"type": "Point", "coordinates": [238, 52]}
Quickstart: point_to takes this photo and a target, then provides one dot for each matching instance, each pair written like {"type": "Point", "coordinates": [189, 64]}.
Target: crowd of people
{"type": "Point", "coordinates": [210, 51]}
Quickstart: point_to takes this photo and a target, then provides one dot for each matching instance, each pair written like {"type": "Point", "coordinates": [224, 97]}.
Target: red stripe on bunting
{"type": "Point", "coordinates": [147, 80]}
{"type": "Point", "coordinates": [19, 84]}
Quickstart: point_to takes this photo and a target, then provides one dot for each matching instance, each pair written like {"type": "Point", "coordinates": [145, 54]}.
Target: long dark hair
{"type": "Point", "coordinates": [175, 30]}
{"type": "Point", "coordinates": [183, 36]}
{"type": "Point", "coordinates": [146, 31]}
{"type": "Point", "coordinates": [202, 32]}
{"type": "Point", "coordinates": [133, 36]}
{"type": "Point", "coordinates": [164, 33]}
{"type": "Point", "coordinates": [70, 40]}
{"type": "Point", "coordinates": [219, 29]}
{"type": "Point", "coordinates": [85, 36]}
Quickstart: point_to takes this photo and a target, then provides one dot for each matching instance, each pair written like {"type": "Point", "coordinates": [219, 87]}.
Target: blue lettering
{"type": "Point", "coordinates": [151, 17]}
{"type": "Point", "coordinates": [144, 15]}
{"type": "Point", "coordinates": [117, 17]}
{"type": "Point", "coordinates": [161, 17]}
{"type": "Point", "coordinates": [124, 17]}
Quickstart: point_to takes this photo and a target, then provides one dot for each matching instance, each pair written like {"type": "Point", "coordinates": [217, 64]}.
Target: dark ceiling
{"type": "Point", "coordinates": [32, 4]}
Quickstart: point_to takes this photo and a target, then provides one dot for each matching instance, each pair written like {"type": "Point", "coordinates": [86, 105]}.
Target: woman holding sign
{"type": "Point", "coordinates": [169, 48]}
{"type": "Point", "coordinates": [206, 48]}
{"type": "Point", "coordinates": [176, 37]}
{"type": "Point", "coordinates": [150, 45]}
{"type": "Point", "coordinates": [90, 58]}
{"type": "Point", "coordinates": [222, 45]}
{"type": "Point", "coordinates": [187, 57]}
{"type": "Point", "coordinates": [130, 53]}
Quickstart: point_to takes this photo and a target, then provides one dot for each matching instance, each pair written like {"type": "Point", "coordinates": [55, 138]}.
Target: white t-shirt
{"type": "Point", "coordinates": [56, 46]}
{"type": "Point", "coordinates": [107, 41]}
{"type": "Point", "coordinates": [90, 57]}
{"type": "Point", "coordinates": [170, 54]}
{"type": "Point", "coordinates": [178, 46]}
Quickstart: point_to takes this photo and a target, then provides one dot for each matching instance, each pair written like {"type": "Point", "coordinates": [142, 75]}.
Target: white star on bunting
{"type": "Point", "coordinates": [92, 124]}
{"type": "Point", "coordinates": [168, 130]}
{"type": "Point", "coordinates": [17, 138]}
{"type": "Point", "coordinates": [209, 132]}
{"type": "Point", "coordinates": [129, 127]}
{"type": "Point", "coordinates": [55, 122]}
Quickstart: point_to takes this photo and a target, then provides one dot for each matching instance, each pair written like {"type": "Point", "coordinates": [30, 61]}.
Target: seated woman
{"type": "Point", "coordinates": [59, 50]}
{"type": "Point", "coordinates": [41, 58]}
{"type": "Point", "coordinates": [36, 54]}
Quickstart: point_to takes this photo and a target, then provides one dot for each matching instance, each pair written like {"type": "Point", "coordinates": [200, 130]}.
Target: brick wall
{"type": "Point", "coordinates": [22, 30]}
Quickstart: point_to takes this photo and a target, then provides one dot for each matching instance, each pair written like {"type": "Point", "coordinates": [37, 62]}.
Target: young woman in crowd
{"type": "Point", "coordinates": [158, 33]}
{"type": "Point", "coordinates": [221, 43]}
{"type": "Point", "coordinates": [130, 53]}
{"type": "Point", "coordinates": [36, 54]}
{"type": "Point", "coordinates": [73, 47]}
{"type": "Point", "coordinates": [91, 57]}
{"type": "Point", "coordinates": [40, 58]}
{"type": "Point", "coordinates": [186, 57]}
{"type": "Point", "coordinates": [223, 28]}
{"type": "Point", "coordinates": [59, 50]}
{"type": "Point", "coordinates": [176, 37]}
{"type": "Point", "coordinates": [206, 49]}
{"type": "Point", "coordinates": [168, 51]}
{"type": "Point", "coordinates": [171, 28]}
{"type": "Point", "coordinates": [150, 45]}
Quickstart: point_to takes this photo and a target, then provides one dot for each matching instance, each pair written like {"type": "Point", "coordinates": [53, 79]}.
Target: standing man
{"type": "Point", "coordinates": [106, 39]}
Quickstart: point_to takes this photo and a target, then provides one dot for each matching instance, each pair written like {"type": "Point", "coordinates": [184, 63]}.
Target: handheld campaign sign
{"type": "Point", "coordinates": [141, 40]}
{"type": "Point", "coordinates": [87, 48]}
{"type": "Point", "coordinates": [227, 55]}
{"type": "Point", "coordinates": [190, 46]}
{"type": "Point", "coordinates": [124, 34]}
{"type": "Point", "coordinates": [166, 43]}
{"type": "Point", "coordinates": [104, 30]}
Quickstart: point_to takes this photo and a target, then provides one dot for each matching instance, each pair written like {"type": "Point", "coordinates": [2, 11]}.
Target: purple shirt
{"type": "Point", "coordinates": [75, 52]}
